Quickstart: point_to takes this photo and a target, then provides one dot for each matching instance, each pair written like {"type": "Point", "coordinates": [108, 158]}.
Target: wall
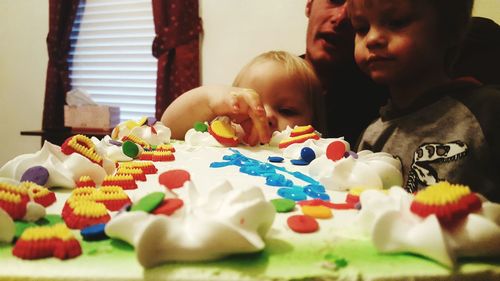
{"type": "Point", "coordinates": [235, 31]}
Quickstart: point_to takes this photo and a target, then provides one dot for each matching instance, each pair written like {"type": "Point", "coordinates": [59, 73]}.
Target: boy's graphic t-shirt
{"type": "Point", "coordinates": [452, 133]}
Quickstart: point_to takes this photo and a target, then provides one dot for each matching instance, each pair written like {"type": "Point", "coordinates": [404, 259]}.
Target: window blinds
{"type": "Point", "coordinates": [111, 56]}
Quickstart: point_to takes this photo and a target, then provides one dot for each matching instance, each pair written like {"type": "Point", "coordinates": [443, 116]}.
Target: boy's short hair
{"type": "Point", "coordinates": [299, 68]}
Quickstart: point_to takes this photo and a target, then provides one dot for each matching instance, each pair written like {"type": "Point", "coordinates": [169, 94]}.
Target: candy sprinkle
{"type": "Point", "coordinates": [283, 205]}
{"type": "Point", "coordinates": [149, 202]}
{"type": "Point", "coordinates": [174, 178]}
{"type": "Point", "coordinates": [302, 224]}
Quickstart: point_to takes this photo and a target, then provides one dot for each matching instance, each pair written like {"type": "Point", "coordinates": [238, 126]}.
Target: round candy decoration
{"type": "Point", "coordinates": [130, 149]}
{"type": "Point", "coordinates": [36, 174]}
{"type": "Point", "coordinates": [174, 178]}
{"type": "Point", "coordinates": [307, 154]}
{"type": "Point", "coordinates": [200, 127]}
{"type": "Point", "coordinates": [335, 150]}
{"type": "Point", "coordinates": [302, 224]}
{"type": "Point", "coordinates": [149, 202]}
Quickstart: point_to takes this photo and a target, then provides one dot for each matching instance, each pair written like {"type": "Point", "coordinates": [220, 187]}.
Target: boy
{"type": "Point", "coordinates": [441, 129]}
{"type": "Point", "coordinates": [274, 90]}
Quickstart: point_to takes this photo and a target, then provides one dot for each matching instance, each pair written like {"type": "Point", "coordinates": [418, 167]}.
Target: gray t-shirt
{"type": "Point", "coordinates": [451, 133]}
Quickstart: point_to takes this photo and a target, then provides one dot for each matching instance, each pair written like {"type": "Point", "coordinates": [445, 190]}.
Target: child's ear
{"type": "Point", "coordinates": [308, 7]}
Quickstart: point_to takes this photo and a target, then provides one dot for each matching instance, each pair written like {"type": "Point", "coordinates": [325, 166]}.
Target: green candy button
{"type": "Point", "coordinates": [283, 205]}
{"type": "Point", "coordinates": [149, 202]}
{"type": "Point", "coordinates": [200, 127]}
{"type": "Point", "coordinates": [130, 149]}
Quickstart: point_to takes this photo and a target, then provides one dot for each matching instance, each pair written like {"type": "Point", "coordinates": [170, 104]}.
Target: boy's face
{"type": "Point", "coordinates": [329, 33]}
{"type": "Point", "coordinates": [284, 101]}
{"type": "Point", "coordinates": [396, 41]}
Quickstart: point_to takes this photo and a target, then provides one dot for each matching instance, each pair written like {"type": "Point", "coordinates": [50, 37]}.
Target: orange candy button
{"type": "Point", "coordinates": [335, 150]}
{"type": "Point", "coordinates": [302, 224]}
{"type": "Point", "coordinates": [174, 178]}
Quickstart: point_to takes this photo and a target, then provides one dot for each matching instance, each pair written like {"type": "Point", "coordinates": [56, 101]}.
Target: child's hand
{"type": "Point", "coordinates": [245, 107]}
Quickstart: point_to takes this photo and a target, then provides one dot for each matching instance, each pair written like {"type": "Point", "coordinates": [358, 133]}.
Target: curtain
{"type": "Point", "coordinates": [62, 14]}
{"type": "Point", "coordinates": [176, 46]}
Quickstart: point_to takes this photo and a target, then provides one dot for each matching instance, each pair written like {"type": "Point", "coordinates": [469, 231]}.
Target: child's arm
{"type": "Point", "coordinates": [207, 102]}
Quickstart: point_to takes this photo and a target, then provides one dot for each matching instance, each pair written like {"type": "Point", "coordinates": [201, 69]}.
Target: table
{"type": "Point", "coordinates": [59, 136]}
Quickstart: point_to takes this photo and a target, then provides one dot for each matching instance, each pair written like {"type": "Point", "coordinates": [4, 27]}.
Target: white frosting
{"type": "Point", "coordinates": [394, 228]}
{"type": "Point", "coordinates": [145, 132]}
{"type": "Point", "coordinates": [7, 227]}
{"type": "Point", "coordinates": [223, 220]}
{"type": "Point", "coordinates": [370, 170]}
{"type": "Point", "coordinates": [63, 169]}
{"type": "Point", "coordinates": [34, 211]}
{"type": "Point", "coordinates": [196, 138]}
{"type": "Point", "coordinates": [104, 148]}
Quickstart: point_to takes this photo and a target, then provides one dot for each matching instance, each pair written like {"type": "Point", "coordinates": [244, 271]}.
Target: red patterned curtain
{"type": "Point", "coordinates": [176, 46]}
{"type": "Point", "coordinates": [62, 14]}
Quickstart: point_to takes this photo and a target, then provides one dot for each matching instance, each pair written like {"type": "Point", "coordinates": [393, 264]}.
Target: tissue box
{"type": "Point", "coordinates": [99, 117]}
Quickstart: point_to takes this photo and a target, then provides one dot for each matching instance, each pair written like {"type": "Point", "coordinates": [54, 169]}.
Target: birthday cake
{"type": "Point", "coordinates": [138, 206]}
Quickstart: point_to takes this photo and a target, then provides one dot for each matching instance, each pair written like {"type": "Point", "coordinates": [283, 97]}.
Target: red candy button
{"type": "Point", "coordinates": [335, 150]}
{"type": "Point", "coordinates": [302, 224]}
{"type": "Point", "coordinates": [168, 206]}
{"type": "Point", "coordinates": [174, 178]}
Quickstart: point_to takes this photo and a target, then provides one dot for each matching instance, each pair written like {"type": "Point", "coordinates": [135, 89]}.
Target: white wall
{"type": "Point", "coordinates": [23, 62]}
{"type": "Point", "coordinates": [237, 30]}
{"type": "Point", "coordinates": [234, 32]}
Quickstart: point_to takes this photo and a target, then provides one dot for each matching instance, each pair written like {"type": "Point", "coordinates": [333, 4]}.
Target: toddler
{"type": "Point", "coordinates": [274, 90]}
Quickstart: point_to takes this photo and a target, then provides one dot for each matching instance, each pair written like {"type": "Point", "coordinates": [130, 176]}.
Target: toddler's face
{"type": "Point", "coordinates": [284, 101]}
{"type": "Point", "coordinates": [396, 41]}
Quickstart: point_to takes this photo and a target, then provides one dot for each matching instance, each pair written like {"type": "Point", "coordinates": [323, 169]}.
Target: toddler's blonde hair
{"type": "Point", "coordinates": [304, 75]}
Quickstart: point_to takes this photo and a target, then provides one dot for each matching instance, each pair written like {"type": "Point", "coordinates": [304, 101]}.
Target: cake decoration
{"type": "Point", "coordinates": [319, 212]}
{"type": "Point", "coordinates": [302, 224]}
{"type": "Point", "coordinates": [200, 127]}
{"type": "Point", "coordinates": [335, 150]}
{"type": "Point", "coordinates": [83, 145]}
{"type": "Point", "coordinates": [84, 213]}
{"type": "Point", "coordinates": [36, 174]}
{"type": "Point", "coordinates": [149, 202]}
{"type": "Point", "coordinates": [94, 232]}
{"type": "Point", "coordinates": [148, 133]}
{"type": "Point", "coordinates": [130, 149]}
{"type": "Point", "coordinates": [162, 156]}
{"type": "Point", "coordinates": [299, 135]}
{"type": "Point", "coordinates": [125, 181]}
{"type": "Point", "coordinates": [283, 205]}
{"type": "Point", "coordinates": [47, 241]}
{"type": "Point", "coordinates": [450, 203]}
{"type": "Point", "coordinates": [7, 227]}
{"type": "Point", "coordinates": [39, 194]}
{"type": "Point", "coordinates": [113, 197]}
{"type": "Point", "coordinates": [146, 166]}
{"type": "Point", "coordinates": [175, 178]}
{"type": "Point", "coordinates": [370, 170]}
{"type": "Point", "coordinates": [136, 173]}
{"type": "Point", "coordinates": [223, 132]}
{"type": "Point", "coordinates": [64, 170]}
{"type": "Point", "coordinates": [85, 181]}
{"type": "Point", "coordinates": [168, 206]}
{"type": "Point", "coordinates": [275, 159]}
{"type": "Point", "coordinates": [13, 202]}
{"type": "Point", "coordinates": [387, 218]}
{"type": "Point", "coordinates": [234, 219]}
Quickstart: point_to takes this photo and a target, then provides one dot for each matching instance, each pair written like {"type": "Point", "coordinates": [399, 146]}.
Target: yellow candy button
{"type": "Point", "coordinates": [319, 212]}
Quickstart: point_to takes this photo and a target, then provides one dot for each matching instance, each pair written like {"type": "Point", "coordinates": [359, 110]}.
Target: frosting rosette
{"type": "Point", "coordinates": [369, 170]}
{"type": "Point", "coordinates": [394, 228]}
{"type": "Point", "coordinates": [224, 220]}
{"type": "Point", "coordinates": [64, 170]}
{"type": "Point", "coordinates": [154, 134]}
{"type": "Point", "coordinates": [197, 138]}
{"type": "Point", "coordinates": [107, 148]}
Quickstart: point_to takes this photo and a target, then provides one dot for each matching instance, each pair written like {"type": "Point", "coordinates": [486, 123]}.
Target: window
{"type": "Point", "coordinates": [111, 55]}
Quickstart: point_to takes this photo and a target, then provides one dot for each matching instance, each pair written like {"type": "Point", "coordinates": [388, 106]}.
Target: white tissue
{"type": "Point", "coordinates": [77, 97]}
